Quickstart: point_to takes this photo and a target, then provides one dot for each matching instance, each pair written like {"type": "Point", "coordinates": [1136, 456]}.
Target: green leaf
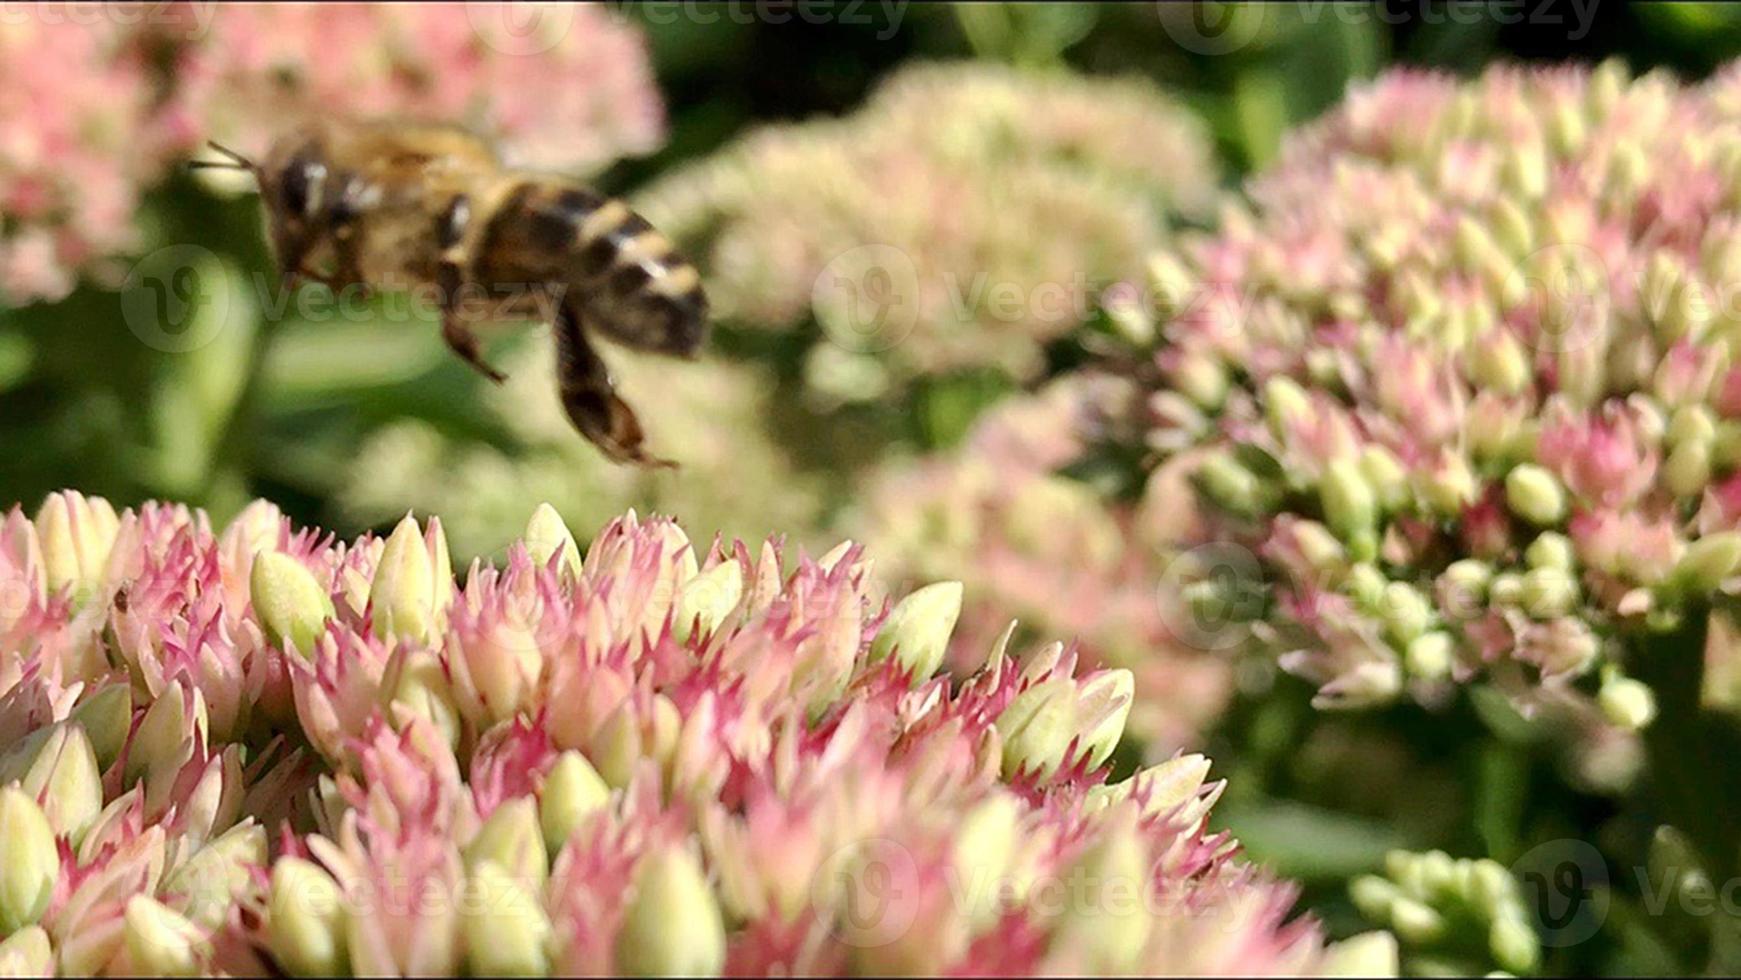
{"type": "Point", "coordinates": [1308, 842]}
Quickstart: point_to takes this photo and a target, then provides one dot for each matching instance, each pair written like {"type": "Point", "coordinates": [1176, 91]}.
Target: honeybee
{"type": "Point", "coordinates": [379, 204]}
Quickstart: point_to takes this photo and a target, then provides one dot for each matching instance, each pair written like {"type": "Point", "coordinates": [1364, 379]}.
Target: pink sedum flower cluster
{"type": "Point", "coordinates": [83, 133]}
{"type": "Point", "coordinates": [98, 106]}
{"type": "Point", "coordinates": [567, 87]}
{"type": "Point", "coordinates": [260, 749]}
{"type": "Point", "coordinates": [963, 219]}
{"type": "Point", "coordinates": [1047, 551]}
{"type": "Point", "coordinates": [1462, 376]}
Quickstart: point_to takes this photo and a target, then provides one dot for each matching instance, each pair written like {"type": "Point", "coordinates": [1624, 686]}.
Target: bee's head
{"type": "Point", "coordinates": [295, 187]}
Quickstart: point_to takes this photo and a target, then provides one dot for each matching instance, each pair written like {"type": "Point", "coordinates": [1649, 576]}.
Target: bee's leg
{"type": "Point", "coordinates": [455, 331]}
{"type": "Point", "coordinates": [591, 400]}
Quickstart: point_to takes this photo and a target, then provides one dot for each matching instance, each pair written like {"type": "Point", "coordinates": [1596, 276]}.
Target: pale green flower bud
{"type": "Point", "coordinates": [1202, 379]}
{"type": "Point", "coordinates": [1365, 586]}
{"type": "Point", "coordinates": [1535, 495]}
{"type": "Point", "coordinates": [1374, 895]}
{"type": "Point", "coordinates": [1436, 873]}
{"type": "Point", "coordinates": [573, 790]}
{"type": "Point", "coordinates": [1515, 945]}
{"type": "Point", "coordinates": [27, 953]}
{"type": "Point", "coordinates": [1462, 587]}
{"type": "Point", "coordinates": [1548, 592]}
{"type": "Point", "coordinates": [616, 748]}
{"type": "Point", "coordinates": [1687, 471]}
{"type": "Point", "coordinates": [1320, 548]}
{"type": "Point", "coordinates": [1627, 703]}
{"type": "Point", "coordinates": [29, 862]}
{"type": "Point", "coordinates": [1726, 445]}
{"type": "Point", "coordinates": [1429, 656]}
{"type": "Point", "coordinates": [672, 925]}
{"type": "Point", "coordinates": [1449, 487]}
{"type": "Point", "coordinates": [217, 873]}
{"type": "Point", "coordinates": [1491, 887]}
{"type": "Point", "coordinates": [1284, 404]}
{"type": "Point", "coordinates": [917, 629]}
{"type": "Point", "coordinates": [66, 778]}
{"type": "Point", "coordinates": [1550, 549]}
{"type": "Point", "coordinates": [413, 583]}
{"type": "Point", "coordinates": [420, 689]}
{"type": "Point", "coordinates": [1037, 726]}
{"type": "Point", "coordinates": [162, 942]}
{"type": "Point", "coordinates": [1691, 424]}
{"type": "Point", "coordinates": [1513, 229]}
{"type": "Point", "coordinates": [1369, 954]}
{"type": "Point", "coordinates": [1172, 281]}
{"type": "Point", "coordinates": [1499, 362]}
{"type": "Point", "coordinates": [1110, 927]}
{"type": "Point", "coordinates": [546, 534]}
{"type": "Point", "coordinates": [1674, 860]}
{"type": "Point", "coordinates": [512, 840]}
{"type": "Point", "coordinates": [506, 930]}
{"type": "Point", "coordinates": [1407, 613]}
{"type": "Point", "coordinates": [1385, 475]}
{"type": "Point", "coordinates": [1231, 486]}
{"type": "Point", "coordinates": [1370, 683]}
{"type": "Point", "coordinates": [107, 718]}
{"type": "Point", "coordinates": [1107, 696]}
{"type": "Point", "coordinates": [289, 602]}
{"type": "Point", "coordinates": [161, 744]}
{"type": "Point", "coordinates": [1415, 921]}
{"type": "Point", "coordinates": [1349, 505]}
{"type": "Point", "coordinates": [1524, 169]}
{"type": "Point", "coordinates": [1172, 783]}
{"type": "Point", "coordinates": [76, 533]}
{"type": "Point", "coordinates": [305, 927]}
{"type": "Point", "coordinates": [985, 845]}
{"type": "Point", "coordinates": [1708, 561]}
{"type": "Point", "coordinates": [1506, 589]}
{"type": "Point", "coordinates": [707, 599]}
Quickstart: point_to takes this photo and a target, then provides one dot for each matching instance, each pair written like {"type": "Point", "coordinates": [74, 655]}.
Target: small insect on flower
{"type": "Point", "coordinates": [367, 205]}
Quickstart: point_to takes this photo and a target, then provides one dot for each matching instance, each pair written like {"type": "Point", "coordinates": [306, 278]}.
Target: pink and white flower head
{"type": "Point", "coordinates": [679, 759]}
{"type": "Point", "coordinates": [1513, 292]}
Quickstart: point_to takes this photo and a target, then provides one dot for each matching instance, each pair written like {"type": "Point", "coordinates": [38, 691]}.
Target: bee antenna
{"type": "Point", "coordinates": [242, 162]}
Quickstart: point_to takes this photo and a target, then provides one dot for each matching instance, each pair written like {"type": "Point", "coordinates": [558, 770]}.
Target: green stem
{"type": "Point", "coordinates": [1693, 755]}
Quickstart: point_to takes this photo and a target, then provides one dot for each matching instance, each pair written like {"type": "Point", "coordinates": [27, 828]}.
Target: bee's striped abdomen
{"type": "Point", "coordinates": [621, 274]}
{"type": "Point", "coordinates": [639, 291]}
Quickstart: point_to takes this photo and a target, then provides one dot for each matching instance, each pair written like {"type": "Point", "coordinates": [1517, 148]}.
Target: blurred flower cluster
{"type": "Point", "coordinates": [1453, 915]}
{"type": "Point", "coordinates": [1045, 550]}
{"type": "Point", "coordinates": [964, 218]}
{"type": "Point", "coordinates": [97, 108]}
{"type": "Point", "coordinates": [263, 67]}
{"type": "Point", "coordinates": [262, 750]}
{"type": "Point", "coordinates": [736, 479]}
{"type": "Point", "coordinates": [1461, 378]}
{"type": "Point", "coordinates": [83, 133]}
